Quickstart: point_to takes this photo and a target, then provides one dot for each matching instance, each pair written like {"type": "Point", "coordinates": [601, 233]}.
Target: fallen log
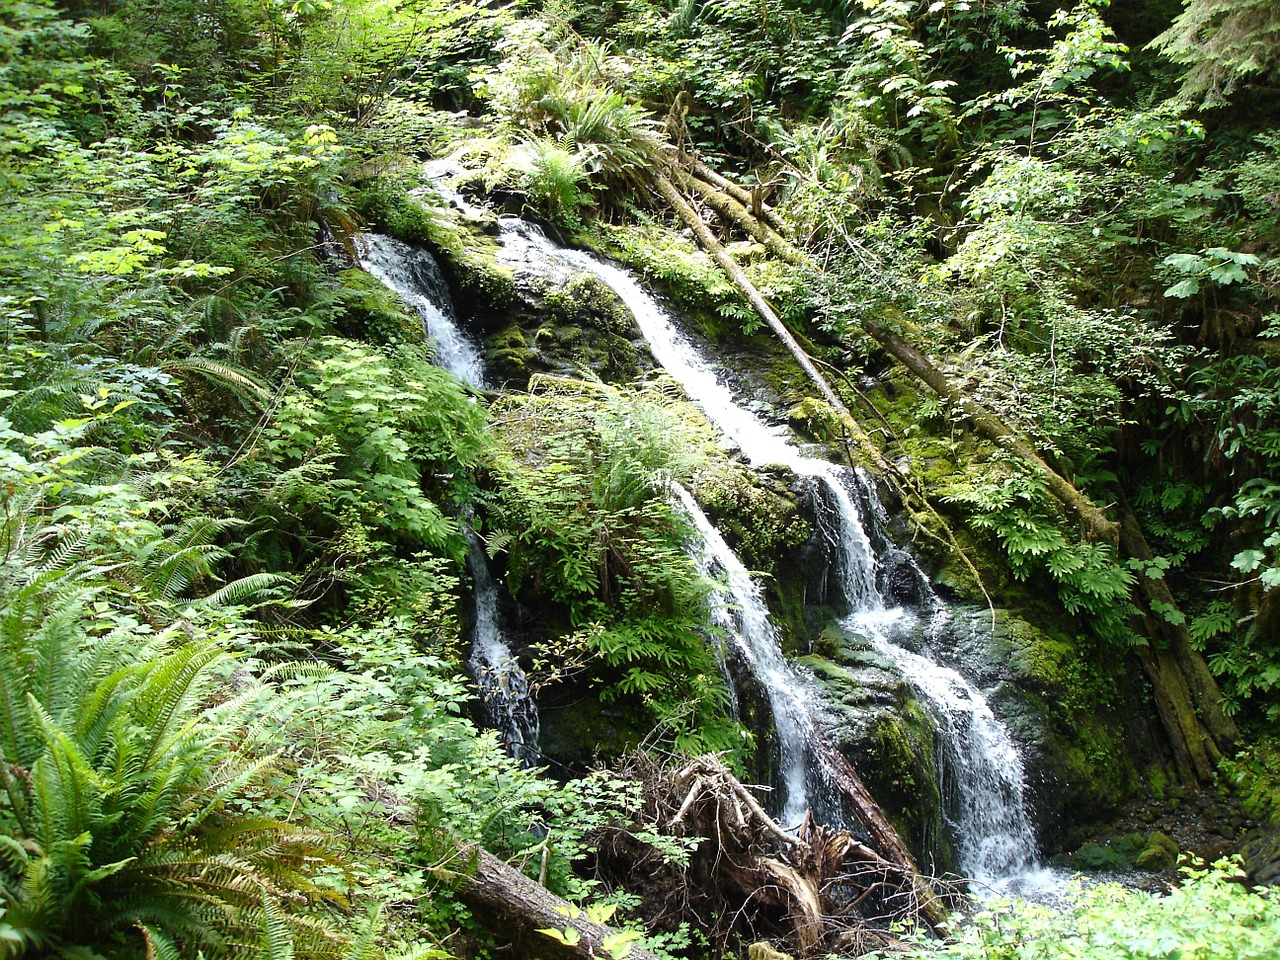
{"type": "Point", "coordinates": [522, 907]}
{"type": "Point", "coordinates": [713, 177]}
{"type": "Point", "coordinates": [734, 212]}
{"type": "Point", "coordinates": [731, 268]}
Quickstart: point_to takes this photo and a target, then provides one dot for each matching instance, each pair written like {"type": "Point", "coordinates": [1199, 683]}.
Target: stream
{"type": "Point", "coordinates": [983, 777]}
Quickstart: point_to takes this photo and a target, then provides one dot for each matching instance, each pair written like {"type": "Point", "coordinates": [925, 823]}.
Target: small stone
{"type": "Point", "coordinates": [765, 951]}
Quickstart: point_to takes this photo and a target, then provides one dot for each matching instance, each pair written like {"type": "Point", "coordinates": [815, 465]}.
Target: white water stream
{"type": "Point", "coordinates": [504, 688]}
{"type": "Point", "coordinates": [988, 812]}
{"type": "Point", "coordinates": [414, 275]}
{"type": "Point", "coordinates": [743, 617]}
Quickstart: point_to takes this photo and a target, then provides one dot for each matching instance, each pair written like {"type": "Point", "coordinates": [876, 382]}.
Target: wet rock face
{"type": "Point", "coordinates": [567, 330]}
{"type": "Point", "coordinates": [1261, 852]}
{"type": "Point", "coordinates": [872, 716]}
{"type": "Point", "coordinates": [1078, 769]}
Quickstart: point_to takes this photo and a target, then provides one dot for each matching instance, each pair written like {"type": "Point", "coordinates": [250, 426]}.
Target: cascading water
{"type": "Point", "coordinates": [994, 837]}
{"type": "Point", "coordinates": [414, 274]}
{"type": "Point", "coordinates": [983, 778]}
{"type": "Point", "coordinates": [504, 688]}
{"type": "Point", "coordinates": [744, 619]}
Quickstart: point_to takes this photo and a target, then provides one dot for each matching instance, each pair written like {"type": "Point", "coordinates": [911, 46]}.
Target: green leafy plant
{"type": "Point", "coordinates": [1209, 916]}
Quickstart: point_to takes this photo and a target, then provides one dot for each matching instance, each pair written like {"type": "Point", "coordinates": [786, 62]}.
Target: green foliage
{"type": "Point", "coordinates": [1087, 576]}
{"type": "Point", "coordinates": [378, 426]}
{"type": "Point", "coordinates": [583, 497]}
{"type": "Point", "coordinates": [1225, 44]}
{"type": "Point", "coordinates": [1209, 916]}
{"type": "Point", "coordinates": [114, 801]}
{"type": "Point", "coordinates": [559, 94]}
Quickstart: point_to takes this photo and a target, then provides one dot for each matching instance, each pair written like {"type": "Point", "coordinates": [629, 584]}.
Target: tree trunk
{"type": "Point", "coordinates": [1177, 715]}
{"type": "Point", "coordinates": [882, 832]}
{"type": "Point", "coordinates": [721, 256]}
{"type": "Point", "coordinates": [731, 210]}
{"type": "Point", "coordinates": [1202, 688]}
{"type": "Point", "coordinates": [703, 172]}
{"type": "Point", "coordinates": [1092, 520]}
{"type": "Point", "coordinates": [520, 907]}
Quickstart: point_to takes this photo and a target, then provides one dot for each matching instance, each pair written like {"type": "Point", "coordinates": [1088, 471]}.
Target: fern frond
{"type": "Point", "coordinates": [262, 586]}
{"type": "Point", "coordinates": [276, 938]}
{"type": "Point", "coordinates": [229, 376]}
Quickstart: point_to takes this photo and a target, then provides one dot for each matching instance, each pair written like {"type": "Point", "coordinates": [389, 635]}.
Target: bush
{"type": "Point", "coordinates": [1211, 916]}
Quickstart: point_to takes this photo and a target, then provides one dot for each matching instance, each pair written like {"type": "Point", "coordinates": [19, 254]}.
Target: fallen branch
{"type": "Point", "coordinates": [516, 904]}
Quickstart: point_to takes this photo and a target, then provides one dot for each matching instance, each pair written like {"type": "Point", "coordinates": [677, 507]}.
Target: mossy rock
{"type": "Point", "coordinates": [370, 312]}
{"type": "Point", "coordinates": [815, 418]}
{"type": "Point", "coordinates": [872, 716]}
{"type": "Point", "coordinates": [585, 730]}
{"type": "Point", "coordinates": [760, 520]}
{"type": "Point", "coordinates": [530, 326]}
{"type": "Point", "coordinates": [510, 354]}
{"type": "Point", "coordinates": [1160, 853]}
{"type": "Point", "coordinates": [484, 291]}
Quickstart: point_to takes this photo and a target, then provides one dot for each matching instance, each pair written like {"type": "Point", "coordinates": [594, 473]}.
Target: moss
{"type": "Point", "coordinates": [510, 354]}
{"type": "Point", "coordinates": [370, 312]}
{"type": "Point", "coordinates": [903, 769]}
{"type": "Point", "coordinates": [759, 522]}
{"type": "Point", "coordinates": [386, 205]}
{"type": "Point", "coordinates": [1159, 853]}
{"type": "Point", "coordinates": [486, 290]}
{"type": "Point", "coordinates": [815, 418]}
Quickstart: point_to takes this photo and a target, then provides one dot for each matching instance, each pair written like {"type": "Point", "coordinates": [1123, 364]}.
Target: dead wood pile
{"type": "Point", "coordinates": [814, 891]}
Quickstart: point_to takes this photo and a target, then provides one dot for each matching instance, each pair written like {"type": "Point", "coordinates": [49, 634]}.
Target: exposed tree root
{"type": "Point", "coordinates": [750, 879]}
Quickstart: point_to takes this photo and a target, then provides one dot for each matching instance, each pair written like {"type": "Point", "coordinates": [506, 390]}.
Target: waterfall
{"type": "Point", "coordinates": [414, 274]}
{"type": "Point", "coordinates": [744, 619]}
{"type": "Point", "coordinates": [504, 688]}
{"type": "Point", "coordinates": [988, 813]}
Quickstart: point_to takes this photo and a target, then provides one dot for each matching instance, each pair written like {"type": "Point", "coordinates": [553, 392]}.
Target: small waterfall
{"type": "Point", "coordinates": [994, 837]}
{"type": "Point", "coordinates": [504, 688]}
{"type": "Point", "coordinates": [984, 784]}
{"type": "Point", "coordinates": [414, 274]}
{"type": "Point", "coordinates": [744, 618]}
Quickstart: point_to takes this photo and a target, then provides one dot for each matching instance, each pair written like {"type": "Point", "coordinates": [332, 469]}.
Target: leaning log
{"type": "Point", "coordinates": [883, 833]}
{"type": "Point", "coordinates": [1201, 685]}
{"type": "Point", "coordinates": [1093, 521]}
{"type": "Point", "coordinates": [734, 212]}
{"type": "Point", "coordinates": [743, 196]}
{"type": "Point", "coordinates": [514, 903]}
{"type": "Point", "coordinates": [716, 249]}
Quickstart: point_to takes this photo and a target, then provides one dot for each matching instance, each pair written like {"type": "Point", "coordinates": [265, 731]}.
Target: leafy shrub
{"type": "Point", "coordinates": [386, 426]}
{"type": "Point", "coordinates": [585, 506]}
{"type": "Point", "coordinates": [1210, 916]}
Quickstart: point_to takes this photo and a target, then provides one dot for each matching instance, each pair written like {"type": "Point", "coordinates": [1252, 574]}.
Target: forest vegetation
{"type": "Point", "coordinates": [1027, 255]}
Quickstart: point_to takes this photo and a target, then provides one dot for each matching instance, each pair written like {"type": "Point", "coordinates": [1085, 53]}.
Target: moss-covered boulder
{"type": "Point", "coordinates": [368, 311]}
{"type": "Point", "coordinates": [1159, 853]}
{"type": "Point", "coordinates": [872, 716]}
